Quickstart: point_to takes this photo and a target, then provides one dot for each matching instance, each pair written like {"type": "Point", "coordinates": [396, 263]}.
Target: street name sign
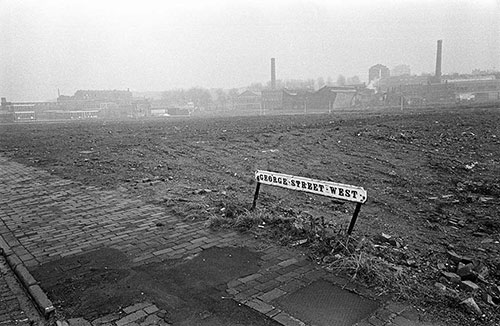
{"type": "Point", "coordinates": [319, 187]}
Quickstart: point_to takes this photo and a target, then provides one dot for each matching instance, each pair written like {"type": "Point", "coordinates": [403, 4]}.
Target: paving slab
{"type": "Point", "coordinates": [325, 304]}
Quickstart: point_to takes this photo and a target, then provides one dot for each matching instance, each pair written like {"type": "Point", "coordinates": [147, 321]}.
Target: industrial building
{"type": "Point", "coordinates": [324, 100]}
{"type": "Point", "coordinates": [81, 105]}
{"type": "Point", "coordinates": [248, 101]}
{"type": "Point", "coordinates": [401, 70]}
{"type": "Point", "coordinates": [437, 89]}
{"type": "Point", "coordinates": [377, 72]}
{"type": "Point", "coordinates": [478, 89]}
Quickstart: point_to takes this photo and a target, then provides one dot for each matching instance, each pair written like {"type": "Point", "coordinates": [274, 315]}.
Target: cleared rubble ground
{"type": "Point", "coordinates": [432, 180]}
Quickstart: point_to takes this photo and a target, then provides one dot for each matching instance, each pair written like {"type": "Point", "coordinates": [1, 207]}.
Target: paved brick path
{"type": "Point", "coordinates": [44, 218]}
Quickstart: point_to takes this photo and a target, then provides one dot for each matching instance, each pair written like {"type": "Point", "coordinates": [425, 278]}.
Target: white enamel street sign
{"type": "Point", "coordinates": [319, 187]}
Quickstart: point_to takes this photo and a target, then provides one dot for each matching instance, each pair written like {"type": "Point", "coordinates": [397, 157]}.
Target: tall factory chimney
{"type": "Point", "coordinates": [273, 73]}
{"type": "Point", "coordinates": [438, 60]}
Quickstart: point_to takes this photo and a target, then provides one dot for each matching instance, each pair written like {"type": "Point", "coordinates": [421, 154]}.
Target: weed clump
{"type": "Point", "coordinates": [327, 241]}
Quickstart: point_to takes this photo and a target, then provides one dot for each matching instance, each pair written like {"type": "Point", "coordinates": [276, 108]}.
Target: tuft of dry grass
{"type": "Point", "coordinates": [241, 221]}
{"type": "Point", "coordinates": [373, 271]}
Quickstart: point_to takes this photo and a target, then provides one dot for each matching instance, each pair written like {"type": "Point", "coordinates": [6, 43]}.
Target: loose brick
{"type": "Point", "coordinates": [140, 259]}
{"type": "Point", "coordinates": [273, 312]}
{"type": "Point", "coordinates": [271, 295]}
{"type": "Point", "coordinates": [202, 239]}
{"type": "Point", "coordinates": [163, 251]}
{"type": "Point", "coordinates": [152, 320]}
{"type": "Point", "coordinates": [232, 291]}
{"type": "Point", "coordinates": [249, 278]}
{"type": "Point", "coordinates": [264, 287]}
{"type": "Point", "coordinates": [260, 306]}
{"type": "Point", "coordinates": [287, 320]}
{"type": "Point", "coordinates": [292, 286]}
{"type": "Point", "coordinates": [285, 278]}
{"type": "Point", "coordinates": [469, 286]}
{"type": "Point", "coordinates": [288, 262]}
{"type": "Point", "coordinates": [151, 309]}
{"type": "Point", "coordinates": [136, 307]}
{"type": "Point", "coordinates": [233, 283]}
{"type": "Point", "coordinates": [106, 319]}
{"type": "Point", "coordinates": [78, 322]}
{"type": "Point", "coordinates": [375, 321]}
{"type": "Point", "coordinates": [131, 318]}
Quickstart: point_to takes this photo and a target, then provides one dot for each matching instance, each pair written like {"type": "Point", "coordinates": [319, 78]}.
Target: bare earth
{"type": "Point", "coordinates": [433, 179]}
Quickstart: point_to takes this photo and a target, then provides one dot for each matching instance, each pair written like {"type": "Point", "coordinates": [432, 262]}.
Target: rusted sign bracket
{"type": "Point", "coordinates": [325, 188]}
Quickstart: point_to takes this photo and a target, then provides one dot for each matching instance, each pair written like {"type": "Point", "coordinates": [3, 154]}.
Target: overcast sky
{"type": "Point", "coordinates": [158, 45]}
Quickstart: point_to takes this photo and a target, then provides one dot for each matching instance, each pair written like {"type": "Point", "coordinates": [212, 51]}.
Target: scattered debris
{"type": "Point", "coordinates": [385, 238]}
{"type": "Point", "coordinates": [456, 258]}
{"type": "Point", "coordinates": [471, 306]}
{"type": "Point", "coordinates": [452, 277]}
{"type": "Point", "coordinates": [488, 299]}
{"type": "Point", "coordinates": [299, 242]}
{"type": "Point", "coordinates": [202, 191]}
{"type": "Point", "coordinates": [465, 271]}
{"type": "Point", "coordinates": [440, 286]}
{"type": "Point", "coordinates": [471, 165]}
{"type": "Point", "coordinates": [469, 286]}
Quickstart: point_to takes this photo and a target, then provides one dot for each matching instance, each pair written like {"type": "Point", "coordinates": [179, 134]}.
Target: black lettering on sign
{"type": "Point", "coordinates": [338, 190]}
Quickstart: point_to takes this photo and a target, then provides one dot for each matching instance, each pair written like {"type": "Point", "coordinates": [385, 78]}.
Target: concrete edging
{"type": "Point", "coordinates": [28, 282]}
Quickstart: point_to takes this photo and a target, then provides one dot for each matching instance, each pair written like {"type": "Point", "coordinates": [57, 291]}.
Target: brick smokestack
{"type": "Point", "coordinates": [273, 73]}
{"type": "Point", "coordinates": [438, 60]}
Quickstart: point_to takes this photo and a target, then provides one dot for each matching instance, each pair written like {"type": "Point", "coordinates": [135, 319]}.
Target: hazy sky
{"type": "Point", "coordinates": [158, 45]}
